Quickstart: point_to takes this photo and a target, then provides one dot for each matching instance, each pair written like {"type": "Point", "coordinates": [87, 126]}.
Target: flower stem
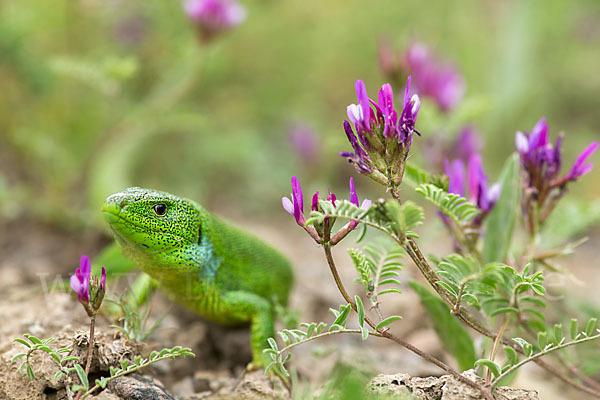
{"type": "Point", "coordinates": [386, 334]}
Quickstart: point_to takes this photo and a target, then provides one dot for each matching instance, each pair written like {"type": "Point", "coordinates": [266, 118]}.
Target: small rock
{"type": "Point", "coordinates": [138, 387]}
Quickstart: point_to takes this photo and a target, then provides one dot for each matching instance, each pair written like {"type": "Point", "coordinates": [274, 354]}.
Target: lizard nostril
{"type": "Point", "coordinates": [122, 204]}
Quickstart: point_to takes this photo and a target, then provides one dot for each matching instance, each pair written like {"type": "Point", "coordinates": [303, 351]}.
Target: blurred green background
{"type": "Point", "coordinates": [98, 95]}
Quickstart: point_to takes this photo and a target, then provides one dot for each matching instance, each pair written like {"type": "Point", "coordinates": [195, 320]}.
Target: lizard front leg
{"type": "Point", "coordinates": [246, 306]}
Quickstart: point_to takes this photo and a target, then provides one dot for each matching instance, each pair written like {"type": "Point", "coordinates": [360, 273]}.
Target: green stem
{"type": "Point", "coordinates": [540, 354]}
{"type": "Point", "coordinates": [325, 334]}
{"type": "Point", "coordinates": [495, 348]}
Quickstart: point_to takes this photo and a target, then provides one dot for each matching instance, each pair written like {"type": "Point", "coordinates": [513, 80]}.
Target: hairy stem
{"type": "Point", "coordinates": [386, 334]}
{"type": "Point", "coordinates": [90, 351]}
{"type": "Point", "coordinates": [495, 348]}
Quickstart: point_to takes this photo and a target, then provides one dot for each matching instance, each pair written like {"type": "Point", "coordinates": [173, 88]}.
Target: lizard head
{"type": "Point", "coordinates": [148, 221]}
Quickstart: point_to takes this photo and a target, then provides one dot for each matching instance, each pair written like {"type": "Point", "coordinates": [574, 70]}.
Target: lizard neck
{"type": "Point", "coordinates": [196, 263]}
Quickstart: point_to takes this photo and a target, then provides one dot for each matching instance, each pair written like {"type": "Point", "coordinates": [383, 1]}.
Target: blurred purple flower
{"type": "Point", "coordinates": [479, 194]}
{"type": "Point", "coordinates": [456, 175]}
{"type": "Point", "coordinates": [579, 168]}
{"type": "Point", "coordinates": [131, 30]}
{"type": "Point", "coordinates": [433, 79]}
{"type": "Point", "coordinates": [81, 280]}
{"type": "Point", "coordinates": [303, 141]}
{"type": "Point", "coordinates": [214, 16]}
{"type": "Point", "coordinates": [391, 63]}
{"type": "Point", "coordinates": [478, 189]}
{"type": "Point", "coordinates": [466, 144]}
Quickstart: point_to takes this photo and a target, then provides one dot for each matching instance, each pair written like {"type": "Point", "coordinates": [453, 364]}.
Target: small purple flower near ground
{"type": "Point", "coordinates": [214, 16]}
{"type": "Point", "coordinates": [81, 280]}
{"type": "Point", "coordinates": [90, 293]}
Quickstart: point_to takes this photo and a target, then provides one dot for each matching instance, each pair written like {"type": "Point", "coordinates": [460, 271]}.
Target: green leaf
{"type": "Point", "coordinates": [451, 204]}
{"type": "Point", "coordinates": [284, 338]}
{"type": "Point", "coordinates": [78, 388]}
{"type": "Point", "coordinates": [390, 290]}
{"type": "Point", "coordinates": [17, 356]}
{"type": "Point", "coordinates": [33, 339]}
{"type": "Point", "coordinates": [55, 356]}
{"type": "Point", "coordinates": [124, 362]}
{"type": "Point", "coordinates": [574, 328]}
{"type": "Point", "coordinates": [503, 310]}
{"type": "Point", "coordinates": [272, 344]}
{"type": "Point", "coordinates": [364, 332]}
{"type": "Point", "coordinates": [342, 316]}
{"type": "Point", "coordinates": [69, 358]}
{"type": "Point", "coordinates": [360, 309]}
{"type": "Point", "coordinates": [591, 325]}
{"type": "Point", "coordinates": [500, 222]}
{"type": "Point", "coordinates": [320, 327]}
{"type": "Point", "coordinates": [542, 340]}
{"type": "Point", "coordinates": [82, 376]}
{"type": "Point", "coordinates": [448, 287]}
{"type": "Point", "coordinates": [58, 375]}
{"type": "Point", "coordinates": [23, 342]}
{"type": "Point", "coordinates": [453, 335]}
{"type": "Point", "coordinates": [30, 373]}
{"type": "Point", "coordinates": [415, 176]}
{"type": "Point", "coordinates": [387, 321]}
{"type": "Point", "coordinates": [511, 355]}
{"type": "Point", "coordinates": [492, 366]}
{"type": "Point", "coordinates": [558, 333]}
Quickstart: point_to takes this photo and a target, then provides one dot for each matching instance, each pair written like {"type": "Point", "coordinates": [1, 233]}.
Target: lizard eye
{"type": "Point", "coordinates": [160, 209]}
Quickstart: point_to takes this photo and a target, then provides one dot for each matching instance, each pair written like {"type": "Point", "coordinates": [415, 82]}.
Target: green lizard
{"type": "Point", "coordinates": [222, 273]}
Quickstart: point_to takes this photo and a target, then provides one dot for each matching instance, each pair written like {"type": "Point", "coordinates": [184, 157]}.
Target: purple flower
{"type": "Point", "coordinates": [433, 79]}
{"type": "Point", "coordinates": [541, 161]}
{"type": "Point", "coordinates": [409, 115]}
{"type": "Point", "coordinates": [390, 116]}
{"type": "Point", "coordinates": [296, 205]}
{"type": "Point", "coordinates": [303, 141]}
{"type": "Point", "coordinates": [103, 280]}
{"type": "Point", "coordinates": [478, 190]}
{"type": "Point", "coordinates": [378, 128]}
{"type": "Point", "coordinates": [214, 16]}
{"type": "Point", "coordinates": [479, 194]}
{"type": "Point", "coordinates": [81, 280]}
{"type": "Point", "coordinates": [359, 158]}
{"type": "Point", "coordinates": [466, 144]}
{"type": "Point", "coordinates": [354, 200]}
{"type": "Point", "coordinates": [579, 168]}
{"type": "Point", "coordinates": [456, 175]}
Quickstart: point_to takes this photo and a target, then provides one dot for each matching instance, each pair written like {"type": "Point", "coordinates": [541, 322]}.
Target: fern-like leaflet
{"type": "Point", "coordinates": [457, 208]}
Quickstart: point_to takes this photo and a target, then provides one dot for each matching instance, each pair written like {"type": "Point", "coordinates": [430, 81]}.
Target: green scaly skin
{"type": "Point", "coordinates": [222, 273]}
